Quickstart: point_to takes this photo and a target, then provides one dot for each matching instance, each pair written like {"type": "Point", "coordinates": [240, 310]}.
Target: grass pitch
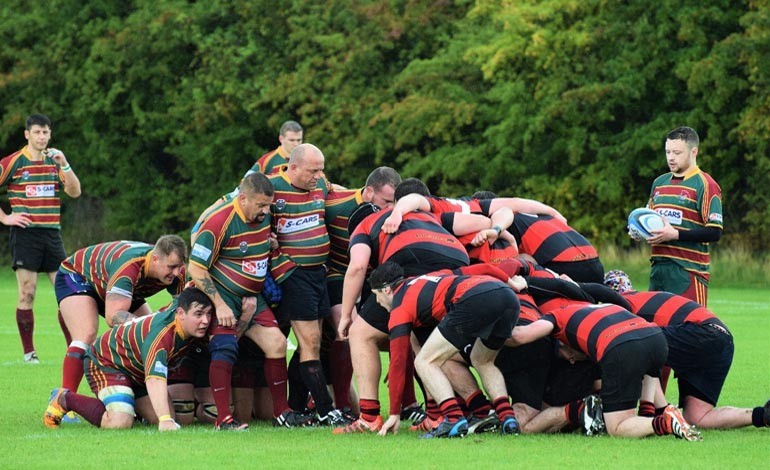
{"type": "Point", "coordinates": [26, 443]}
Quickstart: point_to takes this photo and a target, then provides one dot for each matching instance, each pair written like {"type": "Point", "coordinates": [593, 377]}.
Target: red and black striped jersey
{"type": "Point", "coordinates": [665, 308]}
{"type": "Point", "coordinates": [550, 240]}
{"type": "Point", "coordinates": [418, 231]}
{"type": "Point", "coordinates": [595, 329]}
{"type": "Point", "coordinates": [441, 205]}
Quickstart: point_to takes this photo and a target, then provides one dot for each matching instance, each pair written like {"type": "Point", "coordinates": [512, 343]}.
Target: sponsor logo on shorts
{"type": "Point", "coordinates": [160, 368]}
{"type": "Point", "coordinates": [255, 268]}
{"type": "Point", "coordinates": [297, 224]}
{"type": "Point", "coordinates": [201, 252]}
{"type": "Point", "coordinates": [40, 190]}
{"type": "Point", "coordinates": [715, 217]}
{"type": "Point", "coordinates": [673, 216]}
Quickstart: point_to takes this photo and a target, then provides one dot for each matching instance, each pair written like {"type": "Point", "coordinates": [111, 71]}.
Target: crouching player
{"type": "Point", "coordinates": [467, 309]}
{"type": "Point", "coordinates": [127, 367]}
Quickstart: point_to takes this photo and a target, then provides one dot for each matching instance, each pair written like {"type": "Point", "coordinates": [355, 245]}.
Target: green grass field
{"type": "Point", "coordinates": [26, 443]}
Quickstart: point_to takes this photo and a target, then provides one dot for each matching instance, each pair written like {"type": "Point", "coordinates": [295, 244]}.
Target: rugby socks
{"type": "Point", "coordinates": [432, 409]}
{"type": "Point", "coordinates": [572, 412]}
{"type": "Point", "coordinates": [220, 376]}
{"type": "Point", "coordinates": [91, 409]}
{"type": "Point", "coordinates": [72, 367]}
{"type": "Point", "coordinates": [478, 404]}
{"type": "Point", "coordinates": [451, 410]}
{"type": "Point", "coordinates": [370, 409]}
{"type": "Point", "coordinates": [276, 377]}
{"type": "Point", "coordinates": [313, 377]}
{"type": "Point", "coordinates": [646, 409]}
{"type": "Point", "coordinates": [297, 390]}
{"type": "Point", "coordinates": [758, 417]}
{"type": "Point", "coordinates": [64, 329]}
{"type": "Point", "coordinates": [463, 406]}
{"type": "Point", "coordinates": [341, 372]}
{"type": "Point", "coordinates": [661, 424]}
{"type": "Point", "coordinates": [503, 408]}
{"type": "Point", "coordinates": [25, 321]}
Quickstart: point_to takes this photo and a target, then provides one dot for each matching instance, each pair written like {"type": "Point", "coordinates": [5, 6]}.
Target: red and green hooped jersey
{"type": "Point", "coordinates": [270, 163]}
{"type": "Point", "coordinates": [339, 206]}
{"type": "Point", "coordinates": [119, 267]}
{"type": "Point", "coordinates": [236, 253]}
{"type": "Point", "coordinates": [33, 187]}
{"type": "Point", "coordinates": [142, 348]}
{"type": "Point", "coordinates": [299, 221]}
{"type": "Point", "coordinates": [691, 202]}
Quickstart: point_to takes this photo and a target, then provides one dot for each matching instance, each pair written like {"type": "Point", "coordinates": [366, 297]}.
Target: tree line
{"type": "Point", "coordinates": [161, 106]}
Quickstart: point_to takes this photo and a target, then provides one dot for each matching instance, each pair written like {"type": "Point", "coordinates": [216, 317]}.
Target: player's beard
{"type": "Point", "coordinates": [260, 218]}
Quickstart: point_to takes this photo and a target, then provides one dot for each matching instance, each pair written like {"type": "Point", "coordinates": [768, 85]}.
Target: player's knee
{"type": "Point", "coordinates": [117, 420]}
{"type": "Point", "coordinates": [224, 348]}
{"type": "Point", "coordinates": [207, 412]}
{"type": "Point", "coordinates": [184, 411]}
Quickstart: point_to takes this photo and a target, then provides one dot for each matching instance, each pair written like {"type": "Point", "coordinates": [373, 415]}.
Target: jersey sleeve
{"type": "Point", "coordinates": [155, 354]}
{"type": "Point", "coordinates": [123, 281]}
{"type": "Point", "coordinates": [206, 246]}
{"type": "Point", "coordinates": [400, 352]}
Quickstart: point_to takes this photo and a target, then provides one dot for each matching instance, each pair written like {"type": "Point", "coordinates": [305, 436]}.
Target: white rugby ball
{"type": "Point", "coordinates": [643, 221]}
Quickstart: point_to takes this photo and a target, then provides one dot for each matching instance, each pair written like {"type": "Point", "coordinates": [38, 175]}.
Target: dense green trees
{"type": "Point", "coordinates": [162, 105]}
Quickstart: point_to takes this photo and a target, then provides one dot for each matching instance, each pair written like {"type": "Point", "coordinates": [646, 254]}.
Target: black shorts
{"type": "Point", "coordinates": [590, 270]}
{"type": "Point", "coordinates": [568, 382]}
{"type": "Point", "coordinates": [193, 368]}
{"type": "Point", "coordinates": [334, 289]}
{"type": "Point", "coordinates": [304, 296]}
{"type": "Point", "coordinates": [249, 369]}
{"type": "Point", "coordinates": [36, 249]}
{"type": "Point", "coordinates": [625, 365]}
{"type": "Point", "coordinates": [701, 356]}
{"type": "Point", "coordinates": [488, 315]}
{"type": "Point", "coordinates": [525, 370]}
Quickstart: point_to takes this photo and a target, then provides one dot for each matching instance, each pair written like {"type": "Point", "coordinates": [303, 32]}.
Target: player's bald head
{"type": "Point", "coordinates": [304, 152]}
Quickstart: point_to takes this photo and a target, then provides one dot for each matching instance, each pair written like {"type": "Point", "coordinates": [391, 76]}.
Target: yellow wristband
{"type": "Point", "coordinates": [165, 418]}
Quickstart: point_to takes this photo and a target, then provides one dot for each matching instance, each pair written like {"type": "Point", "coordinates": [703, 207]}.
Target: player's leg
{"type": "Point", "coordinates": [183, 402]}
{"type": "Point", "coordinates": [483, 360]}
{"type": "Point", "coordinates": [81, 316]}
{"type": "Point", "coordinates": [26, 281]}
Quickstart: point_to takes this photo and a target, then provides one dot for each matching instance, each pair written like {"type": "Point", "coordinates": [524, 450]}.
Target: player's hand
{"type": "Point", "coordinates": [393, 422]}
{"type": "Point", "coordinates": [17, 219]}
{"type": "Point", "coordinates": [248, 309]}
{"type": "Point", "coordinates": [484, 236]}
{"type": "Point", "coordinates": [168, 425]}
{"type": "Point", "coordinates": [225, 316]}
{"type": "Point", "coordinates": [273, 239]}
{"type": "Point", "coordinates": [667, 233]}
{"type": "Point", "coordinates": [517, 283]}
{"type": "Point", "coordinates": [635, 236]}
{"type": "Point", "coordinates": [57, 156]}
{"type": "Point", "coordinates": [392, 223]}
{"type": "Point", "coordinates": [343, 329]}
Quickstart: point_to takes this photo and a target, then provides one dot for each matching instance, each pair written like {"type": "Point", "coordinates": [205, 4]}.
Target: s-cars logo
{"type": "Point", "coordinates": [715, 217]}
{"type": "Point", "coordinates": [255, 268]}
{"type": "Point", "coordinates": [297, 224]}
{"type": "Point", "coordinates": [40, 190]}
{"type": "Point", "coordinates": [280, 204]}
{"type": "Point", "coordinates": [673, 216]}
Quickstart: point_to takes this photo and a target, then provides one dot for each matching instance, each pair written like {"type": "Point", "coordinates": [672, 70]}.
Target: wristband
{"type": "Point", "coordinates": [66, 168]}
{"type": "Point", "coordinates": [497, 229]}
{"type": "Point", "coordinates": [165, 418]}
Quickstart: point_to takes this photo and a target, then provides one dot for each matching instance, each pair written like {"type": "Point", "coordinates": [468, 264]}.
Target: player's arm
{"type": "Point", "coordinates": [69, 178]}
{"type": "Point", "coordinates": [530, 206]}
{"type": "Point", "coordinates": [400, 352]}
{"type": "Point", "coordinates": [409, 203]}
{"type": "Point", "coordinates": [116, 309]}
{"type": "Point", "coordinates": [14, 219]}
{"type": "Point", "coordinates": [204, 282]}
{"type": "Point", "coordinates": [501, 219]}
{"type": "Point", "coordinates": [352, 285]}
{"type": "Point", "coordinates": [157, 391]}
{"type": "Point", "coordinates": [529, 333]}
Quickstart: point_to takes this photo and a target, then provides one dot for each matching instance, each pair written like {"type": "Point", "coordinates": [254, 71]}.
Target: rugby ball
{"type": "Point", "coordinates": [643, 221]}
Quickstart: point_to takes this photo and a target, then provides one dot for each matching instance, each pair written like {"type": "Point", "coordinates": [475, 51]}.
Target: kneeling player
{"type": "Point", "coordinates": [128, 375]}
